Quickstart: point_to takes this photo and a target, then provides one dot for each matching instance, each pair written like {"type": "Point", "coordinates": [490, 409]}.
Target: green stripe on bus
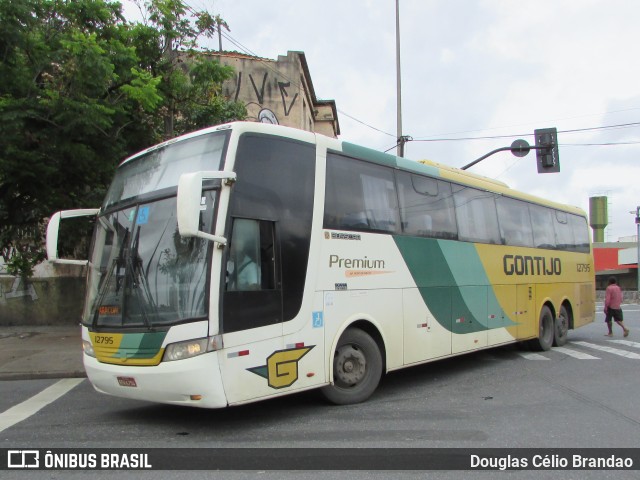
{"type": "Point", "coordinates": [452, 282]}
{"type": "Point", "coordinates": [417, 167]}
{"type": "Point", "coordinates": [140, 345]}
{"type": "Point", "coordinates": [369, 154]}
{"type": "Point", "coordinates": [389, 160]}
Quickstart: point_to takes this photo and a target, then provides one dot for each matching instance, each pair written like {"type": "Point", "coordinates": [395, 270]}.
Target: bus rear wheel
{"type": "Point", "coordinates": [357, 368]}
{"type": "Point", "coordinates": [561, 327]}
{"type": "Point", "coordinates": [545, 333]}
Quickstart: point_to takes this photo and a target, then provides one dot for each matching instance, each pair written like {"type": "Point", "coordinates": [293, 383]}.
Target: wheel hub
{"type": "Point", "coordinates": [350, 365]}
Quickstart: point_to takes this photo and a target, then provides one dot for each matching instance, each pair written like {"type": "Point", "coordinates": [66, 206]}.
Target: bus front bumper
{"type": "Point", "coordinates": [194, 381]}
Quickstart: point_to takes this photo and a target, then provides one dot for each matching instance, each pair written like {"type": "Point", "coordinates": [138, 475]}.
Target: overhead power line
{"type": "Point", "coordinates": [493, 137]}
{"type": "Point", "coordinates": [621, 125]}
{"type": "Point", "coordinates": [366, 124]}
{"type": "Point", "coordinates": [293, 81]}
{"type": "Point", "coordinates": [604, 144]}
{"type": "Point", "coordinates": [297, 84]}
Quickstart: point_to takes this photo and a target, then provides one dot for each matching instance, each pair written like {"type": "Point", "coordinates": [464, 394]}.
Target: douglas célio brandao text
{"type": "Point", "coordinates": [549, 462]}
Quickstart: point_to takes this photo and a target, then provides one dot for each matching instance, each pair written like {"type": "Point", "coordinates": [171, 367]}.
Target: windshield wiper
{"type": "Point", "coordinates": [139, 279]}
{"type": "Point", "coordinates": [118, 263]}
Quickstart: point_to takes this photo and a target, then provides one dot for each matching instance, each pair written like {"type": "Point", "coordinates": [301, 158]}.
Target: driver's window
{"type": "Point", "coordinates": [251, 256]}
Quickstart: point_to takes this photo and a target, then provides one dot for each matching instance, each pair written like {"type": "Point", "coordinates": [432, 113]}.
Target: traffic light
{"type": "Point", "coordinates": [547, 150]}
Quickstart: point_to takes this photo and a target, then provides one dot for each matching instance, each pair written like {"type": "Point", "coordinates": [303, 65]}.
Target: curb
{"type": "Point", "coordinates": [40, 352]}
{"type": "Point", "coordinates": [41, 375]}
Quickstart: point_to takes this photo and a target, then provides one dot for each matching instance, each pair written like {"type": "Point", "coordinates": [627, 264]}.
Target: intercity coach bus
{"type": "Point", "coordinates": [248, 261]}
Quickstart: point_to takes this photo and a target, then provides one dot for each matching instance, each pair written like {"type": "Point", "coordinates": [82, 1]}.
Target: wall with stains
{"type": "Point", "coordinates": [54, 296]}
{"type": "Point", "coordinates": [279, 92]}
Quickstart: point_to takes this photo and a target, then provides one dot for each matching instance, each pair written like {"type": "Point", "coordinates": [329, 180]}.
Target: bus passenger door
{"type": "Point", "coordinates": [251, 310]}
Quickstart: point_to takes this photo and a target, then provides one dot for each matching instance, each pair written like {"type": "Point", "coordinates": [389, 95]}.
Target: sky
{"type": "Point", "coordinates": [473, 68]}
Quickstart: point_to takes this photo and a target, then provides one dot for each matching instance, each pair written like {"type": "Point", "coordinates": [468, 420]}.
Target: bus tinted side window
{"type": "Point", "coordinates": [515, 222]}
{"type": "Point", "coordinates": [251, 256]}
{"type": "Point", "coordinates": [542, 220]}
{"type": "Point", "coordinates": [276, 178]}
{"type": "Point", "coordinates": [564, 231]}
{"type": "Point", "coordinates": [426, 206]}
{"type": "Point", "coordinates": [476, 215]}
{"type": "Point", "coordinates": [359, 196]}
{"type": "Point", "coordinates": [580, 233]}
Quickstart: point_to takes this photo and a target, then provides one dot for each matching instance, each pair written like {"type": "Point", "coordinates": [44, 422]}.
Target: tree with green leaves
{"type": "Point", "coordinates": [81, 88]}
{"type": "Point", "coordinates": [191, 79]}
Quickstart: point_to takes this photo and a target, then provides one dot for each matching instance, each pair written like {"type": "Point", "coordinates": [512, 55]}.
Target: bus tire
{"type": "Point", "coordinates": [561, 328]}
{"type": "Point", "coordinates": [545, 333]}
{"type": "Point", "coordinates": [357, 368]}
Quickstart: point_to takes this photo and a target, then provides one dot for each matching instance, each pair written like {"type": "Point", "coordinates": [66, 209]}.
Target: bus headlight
{"type": "Point", "coordinates": [191, 348]}
{"type": "Point", "coordinates": [88, 348]}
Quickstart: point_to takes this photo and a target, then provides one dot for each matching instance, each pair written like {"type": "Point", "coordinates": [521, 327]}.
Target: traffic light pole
{"type": "Point", "coordinates": [503, 149]}
{"type": "Point", "coordinates": [546, 148]}
{"type": "Point", "coordinates": [519, 148]}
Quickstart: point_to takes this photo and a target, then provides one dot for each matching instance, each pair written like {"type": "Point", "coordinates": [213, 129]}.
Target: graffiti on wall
{"type": "Point", "coordinates": [258, 94]}
{"type": "Point", "coordinates": [5, 255]}
{"type": "Point", "coordinates": [16, 291]}
{"type": "Point", "coordinates": [18, 288]}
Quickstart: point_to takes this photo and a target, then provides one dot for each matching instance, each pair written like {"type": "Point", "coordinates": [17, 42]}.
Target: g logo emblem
{"type": "Point", "coordinates": [281, 370]}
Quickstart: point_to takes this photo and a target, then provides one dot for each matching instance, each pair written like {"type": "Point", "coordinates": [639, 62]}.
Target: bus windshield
{"type": "Point", "coordinates": [161, 167]}
{"type": "Point", "coordinates": [142, 273]}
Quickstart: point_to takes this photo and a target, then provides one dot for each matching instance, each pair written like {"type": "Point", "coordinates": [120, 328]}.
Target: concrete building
{"type": "Point", "coordinates": [279, 91]}
{"type": "Point", "coordinates": [618, 259]}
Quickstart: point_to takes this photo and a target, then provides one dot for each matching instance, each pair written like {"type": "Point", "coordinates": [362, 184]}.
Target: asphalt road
{"type": "Point", "coordinates": [584, 395]}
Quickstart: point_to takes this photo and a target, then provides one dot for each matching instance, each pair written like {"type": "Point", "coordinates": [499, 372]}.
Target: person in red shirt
{"type": "Point", "coordinates": [612, 306]}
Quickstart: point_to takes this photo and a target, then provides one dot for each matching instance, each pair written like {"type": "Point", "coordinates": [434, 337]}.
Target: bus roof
{"type": "Point", "coordinates": [435, 169]}
{"type": "Point", "coordinates": [424, 167]}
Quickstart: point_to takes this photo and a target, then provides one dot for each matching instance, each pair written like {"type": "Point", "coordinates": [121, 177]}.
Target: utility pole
{"type": "Point", "coordinates": [220, 23]}
{"type": "Point", "coordinates": [401, 139]}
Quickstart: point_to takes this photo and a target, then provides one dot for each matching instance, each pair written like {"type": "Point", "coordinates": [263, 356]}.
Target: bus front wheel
{"type": "Point", "coordinates": [546, 331]}
{"type": "Point", "coordinates": [357, 368]}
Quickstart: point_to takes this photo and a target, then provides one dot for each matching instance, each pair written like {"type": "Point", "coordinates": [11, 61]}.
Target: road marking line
{"type": "Point", "coordinates": [615, 351]}
{"type": "Point", "coordinates": [24, 410]}
{"type": "Point", "coordinates": [532, 356]}
{"type": "Point", "coordinates": [575, 353]}
{"type": "Point", "coordinates": [627, 343]}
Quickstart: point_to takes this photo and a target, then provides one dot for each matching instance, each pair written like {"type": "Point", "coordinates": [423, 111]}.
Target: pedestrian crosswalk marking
{"type": "Point", "coordinates": [615, 351]}
{"type": "Point", "coordinates": [33, 405]}
{"type": "Point", "coordinates": [627, 343]}
{"type": "Point", "coordinates": [575, 353]}
{"type": "Point", "coordinates": [533, 356]}
{"type": "Point", "coordinates": [580, 355]}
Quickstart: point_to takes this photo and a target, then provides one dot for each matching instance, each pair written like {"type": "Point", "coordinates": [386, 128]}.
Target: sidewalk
{"type": "Point", "coordinates": [31, 352]}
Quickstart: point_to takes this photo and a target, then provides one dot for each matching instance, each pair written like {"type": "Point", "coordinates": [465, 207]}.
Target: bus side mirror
{"type": "Point", "coordinates": [53, 229]}
{"type": "Point", "coordinates": [190, 200]}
